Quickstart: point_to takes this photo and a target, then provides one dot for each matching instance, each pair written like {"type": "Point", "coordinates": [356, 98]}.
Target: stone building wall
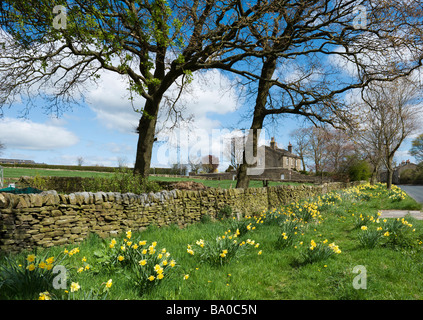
{"type": "Point", "coordinates": [51, 219]}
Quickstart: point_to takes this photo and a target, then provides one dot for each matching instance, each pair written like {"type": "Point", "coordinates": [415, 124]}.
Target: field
{"type": "Point", "coordinates": [331, 247]}
{"type": "Point", "coordinates": [17, 172]}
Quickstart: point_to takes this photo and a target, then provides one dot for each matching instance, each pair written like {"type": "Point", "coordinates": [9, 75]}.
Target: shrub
{"type": "Point", "coordinates": [359, 170]}
{"type": "Point", "coordinates": [122, 180]}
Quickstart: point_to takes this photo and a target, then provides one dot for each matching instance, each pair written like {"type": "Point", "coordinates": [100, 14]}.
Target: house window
{"type": "Point", "coordinates": [287, 161]}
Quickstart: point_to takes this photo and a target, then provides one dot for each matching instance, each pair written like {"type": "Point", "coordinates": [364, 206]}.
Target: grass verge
{"type": "Point", "coordinates": [325, 257]}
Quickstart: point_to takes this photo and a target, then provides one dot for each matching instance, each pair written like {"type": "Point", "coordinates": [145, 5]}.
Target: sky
{"type": "Point", "coordinates": [101, 131]}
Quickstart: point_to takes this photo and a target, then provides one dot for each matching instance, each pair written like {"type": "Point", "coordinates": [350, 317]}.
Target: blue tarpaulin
{"type": "Point", "coordinates": [20, 191]}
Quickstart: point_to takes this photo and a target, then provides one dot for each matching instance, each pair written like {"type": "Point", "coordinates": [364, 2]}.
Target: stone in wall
{"type": "Point", "coordinates": [50, 219]}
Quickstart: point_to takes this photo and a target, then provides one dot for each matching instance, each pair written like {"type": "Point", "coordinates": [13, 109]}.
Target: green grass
{"type": "Point", "coordinates": [31, 172]}
{"type": "Point", "coordinates": [394, 269]}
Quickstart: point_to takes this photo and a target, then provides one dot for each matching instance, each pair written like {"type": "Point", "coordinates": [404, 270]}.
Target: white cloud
{"type": "Point", "coordinates": [209, 93]}
{"type": "Point", "coordinates": [110, 101]}
{"type": "Point", "coordinates": [29, 135]}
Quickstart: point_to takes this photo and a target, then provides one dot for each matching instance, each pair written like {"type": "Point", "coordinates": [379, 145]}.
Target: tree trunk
{"type": "Point", "coordinates": [269, 67]}
{"type": "Point", "coordinates": [243, 179]}
{"type": "Point", "coordinates": [390, 172]}
{"type": "Point", "coordinates": [374, 177]}
{"type": "Point", "coordinates": [146, 130]}
{"type": "Point", "coordinates": [389, 178]}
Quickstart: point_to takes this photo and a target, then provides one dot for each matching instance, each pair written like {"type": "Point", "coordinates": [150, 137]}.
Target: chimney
{"type": "Point", "coordinates": [273, 144]}
{"type": "Point", "coordinates": [290, 147]}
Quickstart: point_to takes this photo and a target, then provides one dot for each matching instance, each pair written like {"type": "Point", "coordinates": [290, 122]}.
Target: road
{"type": "Point", "coordinates": [416, 192]}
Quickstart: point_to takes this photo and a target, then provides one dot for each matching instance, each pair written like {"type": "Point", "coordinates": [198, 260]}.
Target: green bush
{"type": "Point", "coordinates": [122, 180]}
{"type": "Point", "coordinates": [359, 170]}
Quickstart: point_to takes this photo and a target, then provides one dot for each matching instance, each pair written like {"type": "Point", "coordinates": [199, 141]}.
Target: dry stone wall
{"type": "Point", "coordinates": [51, 219]}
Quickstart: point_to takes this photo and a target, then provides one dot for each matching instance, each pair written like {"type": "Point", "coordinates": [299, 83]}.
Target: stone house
{"type": "Point", "coordinates": [276, 158]}
{"type": "Point", "coordinates": [280, 164]}
{"type": "Point", "coordinates": [277, 164]}
{"type": "Point", "coordinates": [396, 176]}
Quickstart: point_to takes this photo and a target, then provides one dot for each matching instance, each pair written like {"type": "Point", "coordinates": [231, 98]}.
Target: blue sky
{"type": "Point", "coordinates": [102, 131]}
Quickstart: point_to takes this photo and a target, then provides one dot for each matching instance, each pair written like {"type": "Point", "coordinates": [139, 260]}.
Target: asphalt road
{"type": "Point", "coordinates": [416, 192]}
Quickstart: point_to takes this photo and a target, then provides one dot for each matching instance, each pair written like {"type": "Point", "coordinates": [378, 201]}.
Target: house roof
{"type": "Point", "coordinates": [281, 152]}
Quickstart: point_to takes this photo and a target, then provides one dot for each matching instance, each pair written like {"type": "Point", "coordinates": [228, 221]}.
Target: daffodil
{"type": "Point", "coordinates": [158, 269]}
{"type": "Point", "coordinates": [75, 286]}
{"type": "Point", "coordinates": [50, 260]}
{"type": "Point", "coordinates": [142, 262]}
{"type": "Point", "coordinates": [44, 296]}
{"type": "Point", "coordinates": [109, 283]}
{"type": "Point", "coordinates": [30, 258]}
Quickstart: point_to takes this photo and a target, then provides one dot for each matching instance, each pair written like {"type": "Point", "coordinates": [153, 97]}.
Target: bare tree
{"type": "Point", "coordinates": [391, 111]}
{"type": "Point", "coordinates": [80, 161]}
{"type": "Point", "coordinates": [338, 148]}
{"type": "Point", "coordinates": [317, 140]}
{"type": "Point", "coordinates": [194, 164]}
{"type": "Point", "coordinates": [417, 148]}
{"type": "Point", "coordinates": [299, 138]}
{"type": "Point", "coordinates": [320, 40]}
{"type": "Point", "coordinates": [368, 139]}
